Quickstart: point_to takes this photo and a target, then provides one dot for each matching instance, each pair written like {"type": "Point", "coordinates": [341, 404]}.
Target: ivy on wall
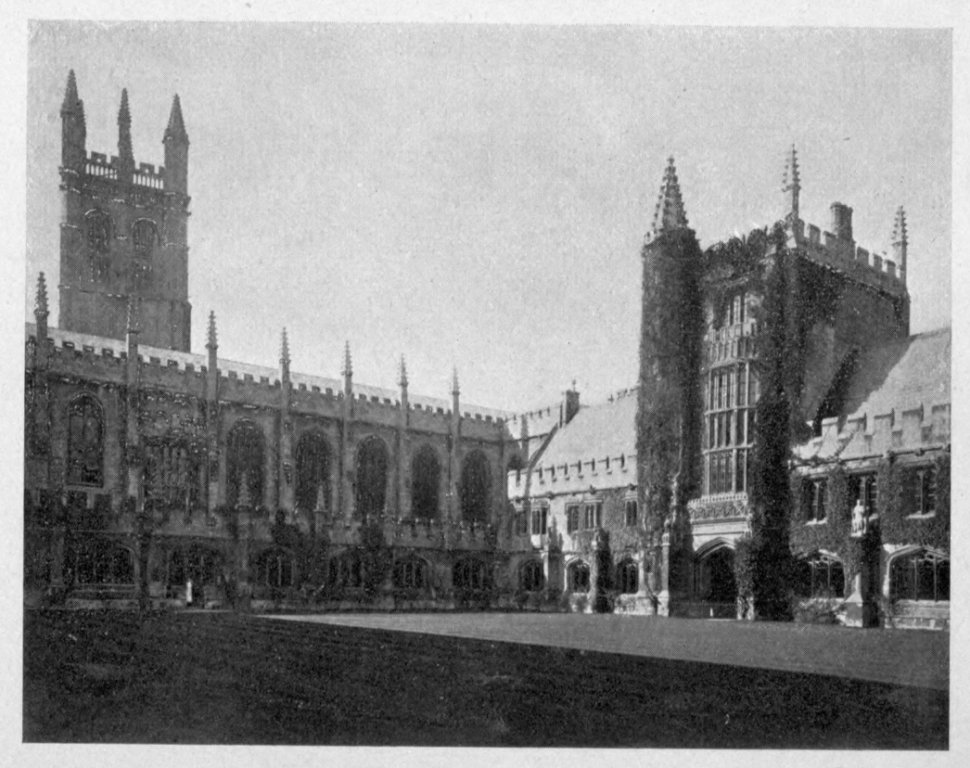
{"type": "Point", "coordinates": [897, 505]}
{"type": "Point", "coordinates": [669, 405]}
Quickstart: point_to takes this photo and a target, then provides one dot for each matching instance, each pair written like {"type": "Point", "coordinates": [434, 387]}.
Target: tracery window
{"type": "Point", "coordinates": [85, 442]}
{"type": "Point", "coordinates": [346, 570]}
{"type": "Point", "coordinates": [98, 226]}
{"type": "Point", "coordinates": [820, 575]}
{"type": "Point", "coordinates": [144, 237]}
{"type": "Point", "coordinates": [531, 577]}
{"type": "Point", "coordinates": [101, 562]}
{"type": "Point", "coordinates": [410, 573]}
{"type": "Point", "coordinates": [371, 481]}
{"type": "Point", "coordinates": [593, 515]}
{"type": "Point", "coordinates": [540, 519]}
{"type": "Point", "coordinates": [274, 568]}
{"type": "Point", "coordinates": [572, 518]}
{"type": "Point", "coordinates": [245, 460]}
{"type": "Point", "coordinates": [471, 574]}
{"type": "Point", "coordinates": [474, 488]}
{"type": "Point", "coordinates": [425, 482]}
{"type": "Point", "coordinates": [628, 577]}
{"type": "Point", "coordinates": [312, 489]}
{"type": "Point", "coordinates": [630, 509]}
{"type": "Point", "coordinates": [921, 575]}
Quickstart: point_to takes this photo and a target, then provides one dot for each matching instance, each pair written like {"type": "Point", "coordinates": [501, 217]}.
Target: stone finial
{"type": "Point", "coordinates": [176, 125]}
{"type": "Point", "coordinates": [40, 301]}
{"type": "Point", "coordinates": [211, 340]}
{"type": "Point", "coordinates": [791, 183]}
{"type": "Point", "coordinates": [71, 101]}
{"type": "Point", "coordinates": [348, 370]}
{"type": "Point", "coordinates": [900, 233]}
{"type": "Point", "coordinates": [454, 382]}
{"type": "Point", "coordinates": [404, 374]}
{"type": "Point", "coordinates": [284, 351]}
{"type": "Point", "coordinates": [669, 214]}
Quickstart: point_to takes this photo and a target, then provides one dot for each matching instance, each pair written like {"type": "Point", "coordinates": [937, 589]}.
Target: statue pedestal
{"type": "Point", "coordinates": [861, 610]}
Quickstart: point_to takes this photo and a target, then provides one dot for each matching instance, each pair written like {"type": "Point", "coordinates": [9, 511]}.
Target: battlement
{"type": "Point", "coordinates": [582, 475]}
{"type": "Point", "coordinates": [861, 264]}
{"type": "Point", "coordinates": [166, 362]}
{"type": "Point", "coordinates": [100, 166]}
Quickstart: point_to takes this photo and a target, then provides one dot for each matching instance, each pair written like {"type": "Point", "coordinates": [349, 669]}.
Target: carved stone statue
{"type": "Point", "coordinates": [858, 518]}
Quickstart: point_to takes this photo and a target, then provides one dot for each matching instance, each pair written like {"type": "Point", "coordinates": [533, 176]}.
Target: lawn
{"type": "Point", "coordinates": [222, 678]}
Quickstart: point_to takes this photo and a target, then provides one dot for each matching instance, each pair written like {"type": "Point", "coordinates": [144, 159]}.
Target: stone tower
{"type": "Point", "coordinates": [123, 232]}
{"type": "Point", "coordinates": [669, 397]}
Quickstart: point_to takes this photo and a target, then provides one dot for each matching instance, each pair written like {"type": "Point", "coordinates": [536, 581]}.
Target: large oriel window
{"type": "Point", "coordinates": [85, 442]}
{"type": "Point", "coordinates": [730, 397]}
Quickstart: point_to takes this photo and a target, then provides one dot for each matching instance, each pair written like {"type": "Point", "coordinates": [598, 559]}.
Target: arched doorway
{"type": "Point", "coordinates": [714, 586]}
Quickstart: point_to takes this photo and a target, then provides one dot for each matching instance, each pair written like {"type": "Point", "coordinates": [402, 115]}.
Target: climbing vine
{"type": "Point", "coordinates": [669, 407]}
{"type": "Point", "coordinates": [897, 504]}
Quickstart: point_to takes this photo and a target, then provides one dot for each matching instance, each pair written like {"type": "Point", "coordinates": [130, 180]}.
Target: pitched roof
{"type": "Point", "coordinates": [597, 431]}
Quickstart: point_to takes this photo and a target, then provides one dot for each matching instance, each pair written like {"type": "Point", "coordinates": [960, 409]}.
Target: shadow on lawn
{"type": "Point", "coordinates": [231, 679]}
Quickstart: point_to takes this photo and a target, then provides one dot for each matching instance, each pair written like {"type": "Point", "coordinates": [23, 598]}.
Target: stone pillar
{"type": "Point", "coordinates": [402, 451]}
{"type": "Point", "coordinates": [286, 470]}
{"type": "Point", "coordinates": [345, 498]}
{"type": "Point", "coordinates": [663, 593]}
{"type": "Point", "coordinates": [214, 467]}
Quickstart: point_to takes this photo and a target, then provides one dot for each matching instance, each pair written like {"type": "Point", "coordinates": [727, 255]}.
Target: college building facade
{"type": "Point", "coordinates": [783, 411]}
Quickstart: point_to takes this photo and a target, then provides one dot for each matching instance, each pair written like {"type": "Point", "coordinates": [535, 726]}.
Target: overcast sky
{"type": "Point", "coordinates": [477, 195]}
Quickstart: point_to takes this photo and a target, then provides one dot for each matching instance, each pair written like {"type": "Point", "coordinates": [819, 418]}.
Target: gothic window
{"type": "Point", "coordinates": [425, 481]}
{"type": "Point", "coordinates": [628, 577]}
{"type": "Point", "coordinates": [813, 499]}
{"type": "Point", "coordinates": [920, 491]}
{"type": "Point", "coordinates": [820, 575]}
{"type": "Point", "coordinates": [577, 576]}
{"type": "Point", "coordinates": [572, 518]}
{"type": "Point", "coordinates": [521, 521]}
{"type": "Point", "coordinates": [274, 568]}
{"type": "Point", "coordinates": [101, 562]}
{"type": "Point", "coordinates": [474, 488]}
{"type": "Point", "coordinates": [245, 463]}
{"type": "Point", "coordinates": [98, 230]}
{"type": "Point", "coordinates": [410, 573]}
{"type": "Point", "coordinates": [531, 577]}
{"type": "Point", "coordinates": [631, 512]}
{"type": "Point", "coordinates": [371, 482]}
{"type": "Point", "coordinates": [172, 474]}
{"type": "Point", "coordinates": [540, 519]}
{"type": "Point", "coordinates": [346, 570]}
{"type": "Point", "coordinates": [921, 575]}
{"type": "Point", "coordinates": [593, 515]}
{"type": "Point", "coordinates": [312, 488]}
{"type": "Point", "coordinates": [470, 574]}
{"type": "Point", "coordinates": [863, 488]}
{"type": "Point", "coordinates": [199, 563]}
{"type": "Point", "coordinates": [144, 237]}
{"type": "Point", "coordinates": [85, 442]}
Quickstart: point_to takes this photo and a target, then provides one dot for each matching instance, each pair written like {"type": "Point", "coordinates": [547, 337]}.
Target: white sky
{"type": "Point", "coordinates": [477, 195]}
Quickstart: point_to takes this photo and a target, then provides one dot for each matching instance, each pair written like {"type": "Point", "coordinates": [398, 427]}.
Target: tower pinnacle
{"type": "Point", "coordinates": [211, 341]}
{"type": "Point", "coordinates": [71, 101]}
{"type": "Point", "coordinates": [348, 363]}
{"type": "Point", "coordinates": [284, 352]}
{"type": "Point", "coordinates": [40, 302]}
{"type": "Point", "coordinates": [126, 157]}
{"type": "Point", "coordinates": [791, 183]}
{"type": "Point", "coordinates": [900, 242]}
{"type": "Point", "coordinates": [175, 131]}
{"type": "Point", "coordinates": [404, 374]}
{"type": "Point", "coordinates": [454, 382]}
{"type": "Point", "coordinates": [669, 214]}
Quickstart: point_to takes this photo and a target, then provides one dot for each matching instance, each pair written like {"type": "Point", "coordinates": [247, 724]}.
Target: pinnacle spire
{"type": "Point", "coordinates": [211, 341]}
{"type": "Point", "coordinates": [670, 213]}
{"type": "Point", "coordinates": [71, 101]}
{"type": "Point", "coordinates": [176, 125]}
{"type": "Point", "coordinates": [900, 233]}
{"type": "Point", "coordinates": [125, 153]}
{"type": "Point", "coordinates": [404, 374]}
{"type": "Point", "coordinates": [284, 351]}
{"type": "Point", "coordinates": [454, 381]}
{"type": "Point", "coordinates": [348, 370]}
{"type": "Point", "coordinates": [40, 303]}
{"type": "Point", "coordinates": [791, 183]}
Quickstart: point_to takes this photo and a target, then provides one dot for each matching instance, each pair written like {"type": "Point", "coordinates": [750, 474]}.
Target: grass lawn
{"type": "Point", "coordinates": [221, 678]}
